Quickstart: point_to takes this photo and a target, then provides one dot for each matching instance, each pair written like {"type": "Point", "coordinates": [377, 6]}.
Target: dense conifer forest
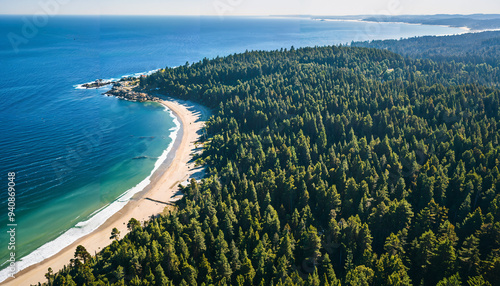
{"type": "Point", "coordinates": [468, 49]}
{"type": "Point", "coordinates": [326, 166]}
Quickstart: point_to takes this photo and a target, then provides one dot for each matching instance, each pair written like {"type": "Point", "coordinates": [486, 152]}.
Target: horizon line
{"type": "Point", "coordinates": [258, 15]}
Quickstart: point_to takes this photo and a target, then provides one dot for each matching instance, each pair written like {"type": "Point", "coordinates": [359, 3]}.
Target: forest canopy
{"type": "Point", "coordinates": [326, 166]}
{"type": "Point", "coordinates": [470, 49]}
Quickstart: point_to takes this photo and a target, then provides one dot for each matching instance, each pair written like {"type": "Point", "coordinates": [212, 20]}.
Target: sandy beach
{"type": "Point", "coordinates": [161, 192]}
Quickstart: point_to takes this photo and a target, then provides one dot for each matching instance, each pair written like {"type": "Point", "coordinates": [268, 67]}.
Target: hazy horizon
{"type": "Point", "coordinates": [256, 15]}
{"type": "Point", "coordinates": [248, 8]}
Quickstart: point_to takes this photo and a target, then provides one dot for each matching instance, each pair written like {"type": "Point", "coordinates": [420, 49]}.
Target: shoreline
{"type": "Point", "coordinates": [464, 28]}
{"type": "Point", "coordinates": [101, 215]}
{"type": "Point", "coordinates": [161, 192]}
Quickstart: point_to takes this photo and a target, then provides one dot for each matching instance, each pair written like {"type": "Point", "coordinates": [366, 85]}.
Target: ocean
{"type": "Point", "coordinates": [78, 155]}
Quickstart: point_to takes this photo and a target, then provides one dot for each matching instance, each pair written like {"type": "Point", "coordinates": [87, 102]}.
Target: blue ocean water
{"type": "Point", "coordinates": [75, 151]}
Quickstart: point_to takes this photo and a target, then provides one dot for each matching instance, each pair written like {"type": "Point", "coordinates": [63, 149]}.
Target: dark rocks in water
{"type": "Point", "coordinates": [100, 82]}
{"type": "Point", "coordinates": [96, 84]}
{"type": "Point", "coordinates": [141, 157]}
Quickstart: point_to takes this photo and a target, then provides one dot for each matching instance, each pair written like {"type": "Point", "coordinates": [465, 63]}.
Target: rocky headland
{"type": "Point", "coordinates": [130, 90]}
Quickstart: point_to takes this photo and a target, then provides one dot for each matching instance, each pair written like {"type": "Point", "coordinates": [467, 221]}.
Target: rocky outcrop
{"type": "Point", "coordinates": [96, 84]}
{"type": "Point", "coordinates": [126, 92]}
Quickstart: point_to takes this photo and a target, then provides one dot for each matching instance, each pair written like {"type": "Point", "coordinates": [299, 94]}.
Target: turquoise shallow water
{"type": "Point", "coordinates": [75, 151]}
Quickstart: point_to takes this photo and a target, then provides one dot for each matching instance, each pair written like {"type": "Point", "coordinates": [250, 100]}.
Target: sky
{"type": "Point", "coordinates": [248, 7]}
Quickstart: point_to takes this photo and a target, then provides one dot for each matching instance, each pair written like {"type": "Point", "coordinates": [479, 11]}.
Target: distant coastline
{"type": "Point", "coordinates": [469, 23]}
{"type": "Point", "coordinates": [464, 28]}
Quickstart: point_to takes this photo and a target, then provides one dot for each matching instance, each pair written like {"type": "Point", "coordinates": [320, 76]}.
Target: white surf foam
{"type": "Point", "coordinates": [137, 74]}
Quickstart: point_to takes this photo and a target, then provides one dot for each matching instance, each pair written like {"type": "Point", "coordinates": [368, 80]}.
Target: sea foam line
{"type": "Point", "coordinates": [97, 219]}
{"type": "Point", "coordinates": [113, 79]}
